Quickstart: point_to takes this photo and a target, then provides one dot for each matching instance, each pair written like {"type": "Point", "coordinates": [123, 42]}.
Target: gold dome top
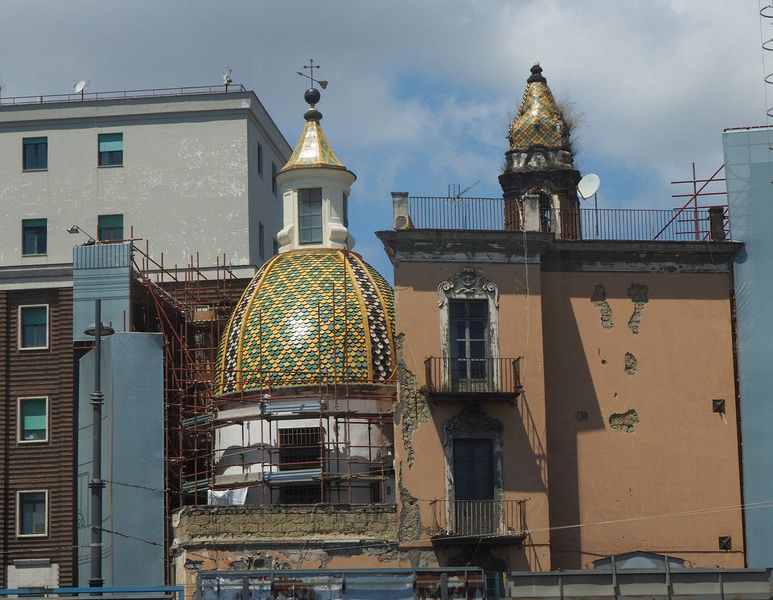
{"type": "Point", "coordinates": [539, 121]}
{"type": "Point", "coordinates": [309, 316]}
{"type": "Point", "coordinates": [313, 149]}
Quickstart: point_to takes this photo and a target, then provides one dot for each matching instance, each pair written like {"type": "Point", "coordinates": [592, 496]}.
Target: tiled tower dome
{"type": "Point", "coordinates": [316, 312]}
{"type": "Point", "coordinates": [309, 315]}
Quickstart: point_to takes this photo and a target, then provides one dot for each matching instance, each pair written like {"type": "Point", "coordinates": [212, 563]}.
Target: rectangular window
{"type": "Point", "coordinates": [110, 149]}
{"type": "Point", "coordinates": [299, 448]}
{"type": "Point", "coordinates": [110, 228]}
{"type": "Point", "coordinates": [34, 237]}
{"type": "Point", "coordinates": [260, 159]}
{"type": "Point", "coordinates": [261, 241]}
{"type": "Point", "coordinates": [33, 327]}
{"type": "Point", "coordinates": [33, 419]}
{"type": "Point", "coordinates": [31, 513]}
{"type": "Point", "coordinates": [35, 154]}
{"type": "Point", "coordinates": [310, 213]}
{"type": "Point", "coordinates": [467, 321]}
{"type": "Point", "coordinates": [273, 178]}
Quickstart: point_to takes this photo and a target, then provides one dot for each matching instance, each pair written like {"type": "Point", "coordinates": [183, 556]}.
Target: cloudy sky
{"type": "Point", "coordinates": [421, 92]}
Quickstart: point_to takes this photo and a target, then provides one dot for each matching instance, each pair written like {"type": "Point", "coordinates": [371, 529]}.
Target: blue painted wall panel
{"type": "Point", "coordinates": [132, 459]}
{"type": "Point", "coordinates": [749, 171]}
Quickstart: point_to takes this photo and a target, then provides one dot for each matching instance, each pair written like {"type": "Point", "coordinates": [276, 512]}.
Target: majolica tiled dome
{"type": "Point", "coordinates": [309, 315]}
{"type": "Point", "coordinates": [539, 121]}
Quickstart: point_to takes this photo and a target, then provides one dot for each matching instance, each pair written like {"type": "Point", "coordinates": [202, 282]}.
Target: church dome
{"type": "Point", "coordinates": [309, 315]}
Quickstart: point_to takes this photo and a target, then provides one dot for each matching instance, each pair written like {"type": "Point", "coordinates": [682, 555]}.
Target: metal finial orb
{"type": "Point", "coordinates": [311, 96]}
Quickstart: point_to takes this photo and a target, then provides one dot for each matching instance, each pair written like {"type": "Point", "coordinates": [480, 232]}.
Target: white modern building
{"type": "Point", "coordinates": [189, 169]}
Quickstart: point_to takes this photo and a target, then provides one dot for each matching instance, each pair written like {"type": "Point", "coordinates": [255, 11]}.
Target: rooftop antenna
{"type": "Point", "coordinates": [587, 187]}
{"type": "Point", "coordinates": [455, 191]}
{"type": "Point", "coordinates": [310, 75]}
{"type": "Point", "coordinates": [80, 87]}
{"type": "Point", "coordinates": [227, 76]}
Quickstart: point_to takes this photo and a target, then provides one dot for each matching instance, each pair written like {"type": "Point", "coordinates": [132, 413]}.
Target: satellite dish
{"type": "Point", "coordinates": [588, 185]}
{"type": "Point", "coordinates": [79, 87]}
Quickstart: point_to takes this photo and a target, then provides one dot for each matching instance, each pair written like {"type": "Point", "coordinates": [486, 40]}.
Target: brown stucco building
{"type": "Point", "coordinates": [559, 384]}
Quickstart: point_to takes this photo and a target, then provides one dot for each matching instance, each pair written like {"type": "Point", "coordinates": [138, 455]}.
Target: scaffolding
{"type": "Point", "coordinates": [328, 440]}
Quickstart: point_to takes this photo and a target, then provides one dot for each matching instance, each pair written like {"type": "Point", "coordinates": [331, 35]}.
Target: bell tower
{"type": "Point", "coordinates": [539, 182]}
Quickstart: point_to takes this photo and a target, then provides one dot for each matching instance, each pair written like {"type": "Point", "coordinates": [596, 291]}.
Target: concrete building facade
{"type": "Point", "coordinates": [191, 172]}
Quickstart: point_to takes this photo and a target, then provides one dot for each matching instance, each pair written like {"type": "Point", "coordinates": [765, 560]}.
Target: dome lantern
{"type": "Point", "coordinates": [315, 189]}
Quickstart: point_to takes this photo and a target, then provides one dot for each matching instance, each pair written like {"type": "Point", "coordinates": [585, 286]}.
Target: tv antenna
{"type": "Point", "coordinates": [80, 87]}
{"type": "Point", "coordinates": [455, 191]}
{"type": "Point", "coordinates": [587, 187]}
{"type": "Point", "coordinates": [310, 75]}
{"type": "Point", "coordinates": [227, 76]}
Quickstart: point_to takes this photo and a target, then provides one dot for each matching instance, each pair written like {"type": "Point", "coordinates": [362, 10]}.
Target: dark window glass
{"type": "Point", "coordinates": [110, 228]}
{"type": "Point", "coordinates": [468, 320]}
{"type": "Point", "coordinates": [35, 153]}
{"type": "Point", "coordinates": [276, 246]}
{"type": "Point", "coordinates": [110, 149]}
{"type": "Point", "coordinates": [260, 159]}
{"type": "Point", "coordinates": [33, 419]}
{"type": "Point", "coordinates": [545, 212]}
{"type": "Point", "coordinates": [32, 513]}
{"type": "Point", "coordinates": [346, 210]}
{"type": "Point", "coordinates": [34, 236]}
{"type": "Point", "coordinates": [310, 215]}
{"type": "Point", "coordinates": [299, 448]}
{"type": "Point", "coordinates": [273, 178]}
{"type": "Point", "coordinates": [261, 241]}
{"type": "Point", "coordinates": [34, 326]}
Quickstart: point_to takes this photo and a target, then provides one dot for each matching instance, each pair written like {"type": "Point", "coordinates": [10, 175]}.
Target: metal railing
{"type": "Point", "coordinates": [475, 375]}
{"type": "Point", "coordinates": [147, 93]}
{"type": "Point", "coordinates": [489, 214]}
{"type": "Point", "coordinates": [478, 517]}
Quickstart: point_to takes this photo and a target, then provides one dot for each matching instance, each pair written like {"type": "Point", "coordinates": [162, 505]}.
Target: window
{"type": "Point", "coordinates": [545, 212]}
{"type": "Point", "coordinates": [299, 448]}
{"type": "Point", "coordinates": [310, 212]}
{"type": "Point", "coordinates": [473, 486]}
{"type": "Point", "coordinates": [467, 328]}
{"type": "Point", "coordinates": [110, 228]}
{"type": "Point", "coordinates": [34, 234]}
{"type": "Point", "coordinates": [346, 210]}
{"type": "Point", "coordinates": [33, 327]}
{"type": "Point", "coordinates": [33, 419]}
{"type": "Point", "coordinates": [261, 241]}
{"type": "Point", "coordinates": [273, 178]}
{"type": "Point", "coordinates": [260, 159]}
{"type": "Point", "coordinates": [110, 149]}
{"type": "Point", "coordinates": [31, 513]}
{"type": "Point", "coordinates": [35, 154]}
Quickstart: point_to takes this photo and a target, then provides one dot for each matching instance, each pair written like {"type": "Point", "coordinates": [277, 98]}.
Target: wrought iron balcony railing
{"type": "Point", "coordinates": [446, 375]}
{"type": "Point", "coordinates": [491, 518]}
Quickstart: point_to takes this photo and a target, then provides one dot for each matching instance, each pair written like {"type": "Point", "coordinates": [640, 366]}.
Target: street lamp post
{"type": "Point", "coordinates": [96, 485]}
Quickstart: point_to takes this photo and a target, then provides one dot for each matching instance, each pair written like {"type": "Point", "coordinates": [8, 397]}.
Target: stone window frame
{"type": "Point", "coordinates": [20, 426]}
{"type": "Point", "coordinates": [20, 327]}
{"type": "Point", "coordinates": [473, 422]}
{"type": "Point", "coordinates": [470, 284]}
{"type": "Point", "coordinates": [47, 500]}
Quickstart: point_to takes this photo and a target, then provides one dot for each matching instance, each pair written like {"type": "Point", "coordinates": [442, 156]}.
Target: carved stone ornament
{"type": "Point", "coordinates": [472, 419]}
{"type": "Point", "coordinates": [467, 283]}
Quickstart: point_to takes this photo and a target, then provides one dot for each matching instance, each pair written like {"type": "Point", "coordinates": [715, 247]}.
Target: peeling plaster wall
{"type": "Point", "coordinates": [524, 470]}
{"type": "Point", "coordinates": [188, 183]}
{"type": "Point", "coordinates": [631, 430]}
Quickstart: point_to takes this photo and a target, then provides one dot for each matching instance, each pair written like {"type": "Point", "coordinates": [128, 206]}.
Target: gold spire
{"type": "Point", "coordinates": [313, 149]}
{"type": "Point", "coordinates": [539, 121]}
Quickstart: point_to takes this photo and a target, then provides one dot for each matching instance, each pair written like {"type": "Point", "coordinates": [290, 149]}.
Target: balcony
{"type": "Point", "coordinates": [484, 521]}
{"type": "Point", "coordinates": [455, 378]}
{"type": "Point", "coordinates": [688, 223]}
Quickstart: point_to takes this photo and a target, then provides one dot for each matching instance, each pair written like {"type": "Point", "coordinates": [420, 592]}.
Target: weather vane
{"type": "Point", "coordinates": [310, 75]}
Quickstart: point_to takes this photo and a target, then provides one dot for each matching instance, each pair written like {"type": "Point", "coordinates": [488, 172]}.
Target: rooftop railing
{"type": "Point", "coordinates": [122, 94]}
{"type": "Point", "coordinates": [490, 214]}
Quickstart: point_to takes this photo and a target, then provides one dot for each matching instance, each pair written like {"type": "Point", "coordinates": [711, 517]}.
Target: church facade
{"type": "Point", "coordinates": [537, 392]}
